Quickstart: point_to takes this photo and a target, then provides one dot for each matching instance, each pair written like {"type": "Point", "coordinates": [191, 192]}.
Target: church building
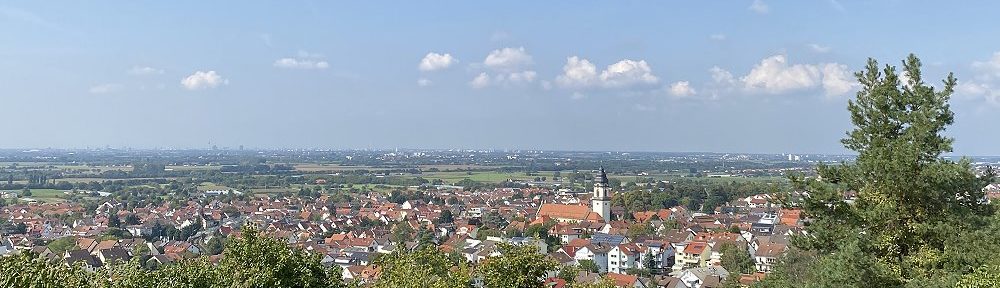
{"type": "Point", "coordinates": [599, 210]}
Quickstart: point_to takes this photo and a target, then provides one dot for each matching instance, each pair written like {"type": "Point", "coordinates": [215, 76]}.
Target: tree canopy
{"type": "Point", "coordinates": [914, 210]}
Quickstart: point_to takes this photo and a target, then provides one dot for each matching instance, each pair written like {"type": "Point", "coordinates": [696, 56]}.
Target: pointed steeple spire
{"type": "Point", "coordinates": [602, 177]}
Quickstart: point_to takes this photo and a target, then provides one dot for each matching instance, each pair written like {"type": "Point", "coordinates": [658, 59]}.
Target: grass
{"type": "Point", "coordinates": [44, 195]}
{"type": "Point", "coordinates": [206, 186]}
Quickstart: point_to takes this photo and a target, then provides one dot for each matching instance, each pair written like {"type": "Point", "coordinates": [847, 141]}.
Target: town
{"type": "Point", "coordinates": [508, 144]}
{"type": "Point", "coordinates": [675, 227]}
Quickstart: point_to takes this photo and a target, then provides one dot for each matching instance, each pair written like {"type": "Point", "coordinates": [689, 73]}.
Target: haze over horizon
{"type": "Point", "coordinates": [736, 76]}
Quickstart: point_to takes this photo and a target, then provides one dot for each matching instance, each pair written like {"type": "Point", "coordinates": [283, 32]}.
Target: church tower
{"type": "Point", "coordinates": [601, 200]}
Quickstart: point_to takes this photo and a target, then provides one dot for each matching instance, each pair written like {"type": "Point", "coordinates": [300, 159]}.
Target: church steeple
{"type": "Point", "coordinates": [601, 199]}
{"type": "Point", "coordinates": [602, 177]}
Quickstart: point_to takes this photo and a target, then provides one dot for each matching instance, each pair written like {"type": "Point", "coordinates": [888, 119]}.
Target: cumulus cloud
{"type": "Point", "coordinates": [203, 80]}
{"type": "Point", "coordinates": [721, 76]}
{"type": "Point", "coordinates": [481, 81]}
{"type": "Point", "coordinates": [434, 61]}
{"type": "Point", "coordinates": [577, 72]}
{"type": "Point", "coordinates": [773, 75]}
{"type": "Point", "coordinates": [717, 37]}
{"type": "Point", "coordinates": [759, 7]}
{"type": "Point", "coordinates": [681, 89]}
{"type": "Point", "coordinates": [628, 72]}
{"type": "Point", "coordinates": [991, 66]}
{"type": "Point", "coordinates": [144, 70]}
{"type": "Point", "coordinates": [985, 84]}
{"type": "Point", "coordinates": [506, 67]}
{"type": "Point", "coordinates": [837, 79]}
{"type": "Point", "coordinates": [105, 88]}
{"type": "Point", "coordinates": [424, 82]}
{"type": "Point", "coordinates": [972, 89]}
{"type": "Point", "coordinates": [508, 59]}
{"type": "Point", "coordinates": [581, 73]}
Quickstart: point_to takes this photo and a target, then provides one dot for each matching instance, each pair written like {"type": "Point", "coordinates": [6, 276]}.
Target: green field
{"type": "Point", "coordinates": [43, 195]}
{"type": "Point", "coordinates": [205, 186]}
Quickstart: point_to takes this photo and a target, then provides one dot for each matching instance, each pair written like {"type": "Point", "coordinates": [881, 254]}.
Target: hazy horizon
{"type": "Point", "coordinates": [760, 76]}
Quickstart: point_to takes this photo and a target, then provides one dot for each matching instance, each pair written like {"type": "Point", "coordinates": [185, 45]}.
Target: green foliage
{"type": "Point", "coordinates": [61, 245]}
{"type": "Point", "coordinates": [425, 267]}
{"type": "Point", "coordinates": [917, 220]}
{"type": "Point", "coordinates": [215, 245]}
{"type": "Point", "coordinates": [517, 266]}
{"type": "Point", "coordinates": [568, 273]}
{"type": "Point", "coordinates": [736, 259]}
{"type": "Point", "coordinates": [604, 283]}
{"type": "Point", "coordinates": [250, 261]}
{"type": "Point", "coordinates": [589, 266]}
{"type": "Point", "coordinates": [984, 277]}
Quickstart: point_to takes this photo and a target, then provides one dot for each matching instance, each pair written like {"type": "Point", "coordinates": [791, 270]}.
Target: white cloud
{"type": "Point", "coordinates": [203, 80]}
{"type": "Point", "coordinates": [578, 96]}
{"type": "Point", "coordinates": [507, 67]}
{"type": "Point", "coordinates": [837, 79]}
{"type": "Point", "coordinates": [818, 48]}
{"type": "Point", "coordinates": [509, 79]}
{"type": "Point", "coordinates": [581, 73]}
{"type": "Point", "coordinates": [577, 73]}
{"type": "Point", "coordinates": [293, 63]}
{"type": "Point", "coordinates": [105, 88]}
{"type": "Point", "coordinates": [721, 76]}
{"type": "Point", "coordinates": [508, 59]}
{"type": "Point", "coordinates": [628, 72]}
{"type": "Point", "coordinates": [973, 89]}
{"type": "Point", "coordinates": [985, 84]}
{"type": "Point", "coordinates": [759, 7]}
{"type": "Point", "coordinates": [990, 66]}
{"type": "Point", "coordinates": [522, 77]}
{"type": "Point", "coordinates": [142, 70]}
{"type": "Point", "coordinates": [424, 82]}
{"type": "Point", "coordinates": [774, 75]}
{"type": "Point", "coordinates": [434, 61]}
{"type": "Point", "coordinates": [717, 37]}
{"type": "Point", "coordinates": [480, 81]}
{"type": "Point", "coordinates": [681, 89]}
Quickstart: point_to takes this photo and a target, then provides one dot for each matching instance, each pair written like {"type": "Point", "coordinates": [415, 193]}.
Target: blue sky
{"type": "Point", "coordinates": [721, 76]}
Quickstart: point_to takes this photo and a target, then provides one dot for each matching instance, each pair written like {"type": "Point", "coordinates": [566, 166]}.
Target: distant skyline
{"type": "Point", "coordinates": [754, 76]}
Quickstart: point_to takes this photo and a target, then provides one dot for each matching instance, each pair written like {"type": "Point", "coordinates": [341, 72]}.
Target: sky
{"type": "Point", "coordinates": [755, 76]}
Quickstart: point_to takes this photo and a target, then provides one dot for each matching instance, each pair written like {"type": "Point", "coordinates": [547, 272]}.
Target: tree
{"type": "Point", "coordinates": [589, 266]}
{"type": "Point", "coordinates": [568, 273]}
{"type": "Point", "coordinates": [736, 259]}
{"type": "Point", "coordinates": [911, 203]}
{"type": "Point", "coordinates": [26, 192]}
{"type": "Point", "coordinates": [254, 260]}
{"type": "Point", "coordinates": [114, 221]}
{"type": "Point", "coordinates": [493, 220]}
{"type": "Point", "coordinates": [402, 232]}
{"type": "Point", "coordinates": [61, 245]}
{"type": "Point", "coordinates": [517, 266]}
{"type": "Point", "coordinates": [648, 262]}
{"type": "Point", "coordinates": [605, 282]}
{"type": "Point", "coordinates": [425, 267]}
{"type": "Point", "coordinates": [215, 245]}
{"type": "Point", "coordinates": [445, 217]}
